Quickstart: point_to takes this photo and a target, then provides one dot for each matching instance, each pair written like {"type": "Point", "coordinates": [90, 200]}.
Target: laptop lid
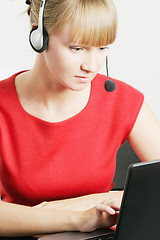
{"type": "Point", "coordinates": [140, 209]}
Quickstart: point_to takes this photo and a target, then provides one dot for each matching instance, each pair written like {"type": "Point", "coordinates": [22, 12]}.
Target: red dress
{"type": "Point", "coordinates": [42, 161]}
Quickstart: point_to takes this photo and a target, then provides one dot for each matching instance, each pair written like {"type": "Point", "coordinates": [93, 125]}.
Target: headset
{"type": "Point", "coordinates": [38, 36]}
{"type": "Point", "coordinates": [109, 85]}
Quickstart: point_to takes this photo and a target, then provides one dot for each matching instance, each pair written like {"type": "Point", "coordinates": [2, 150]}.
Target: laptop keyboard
{"type": "Point", "coordinates": [104, 237]}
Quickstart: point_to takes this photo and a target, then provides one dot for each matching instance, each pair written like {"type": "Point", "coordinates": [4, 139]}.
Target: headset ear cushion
{"type": "Point", "coordinates": [30, 39]}
{"type": "Point", "coordinates": [45, 40]}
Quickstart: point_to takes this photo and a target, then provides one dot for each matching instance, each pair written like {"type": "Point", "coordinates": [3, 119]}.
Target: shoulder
{"type": "Point", "coordinates": [7, 86]}
{"type": "Point", "coordinates": [122, 105]}
{"type": "Point", "coordinates": [7, 92]}
{"type": "Point", "coordinates": [124, 93]}
{"type": "Point", "coordinates": [7, 83]}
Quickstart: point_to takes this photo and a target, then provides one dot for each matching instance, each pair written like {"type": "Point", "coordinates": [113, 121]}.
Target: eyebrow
{"type": "Point", "coordinates": [87, 46]}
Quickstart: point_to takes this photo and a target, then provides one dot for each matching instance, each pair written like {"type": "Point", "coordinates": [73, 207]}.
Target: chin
{"type": "Point", "coordinates": [79, 87]}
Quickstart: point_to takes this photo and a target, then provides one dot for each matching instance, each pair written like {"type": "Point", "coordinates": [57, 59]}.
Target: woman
{"type": "Point", "coordinates": [60, 129]}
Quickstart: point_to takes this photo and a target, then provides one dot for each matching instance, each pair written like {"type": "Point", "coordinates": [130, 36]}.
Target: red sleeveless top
{"type": "Point", "coordinates": [42, 161]}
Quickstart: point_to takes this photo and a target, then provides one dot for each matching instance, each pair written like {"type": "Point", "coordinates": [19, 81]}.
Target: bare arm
{"type": "Point", "coordinates": [18, 220]}
{"type": "Point", "coordinates": [145, 135]}
{"type": "Point", "coordinates": [84, 202]}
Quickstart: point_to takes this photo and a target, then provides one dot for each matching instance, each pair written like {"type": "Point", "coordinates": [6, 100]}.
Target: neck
{"type": "Point", "coordinates": [43, 80]}
{"type": "Point", "coordinates": [42, 96]}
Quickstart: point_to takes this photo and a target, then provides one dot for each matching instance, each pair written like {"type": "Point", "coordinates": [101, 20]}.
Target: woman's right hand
{"type": "Point", "coordinates": [104, 215]}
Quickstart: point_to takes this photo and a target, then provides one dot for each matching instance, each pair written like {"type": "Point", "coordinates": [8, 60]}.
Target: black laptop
{"type": "Point", "coordinates": [139, 217]}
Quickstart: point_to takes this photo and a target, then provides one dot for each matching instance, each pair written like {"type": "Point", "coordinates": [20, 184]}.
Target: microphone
{"type": "Point", "coordinates": [109, 85]}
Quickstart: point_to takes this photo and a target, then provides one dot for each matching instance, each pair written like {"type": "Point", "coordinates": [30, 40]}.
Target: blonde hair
{"type": "Point", "coordinates": [94, 21]}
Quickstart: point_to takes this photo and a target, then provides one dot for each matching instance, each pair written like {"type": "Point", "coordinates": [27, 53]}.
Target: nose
{"type": "Point", "coordinates": [90, 64]}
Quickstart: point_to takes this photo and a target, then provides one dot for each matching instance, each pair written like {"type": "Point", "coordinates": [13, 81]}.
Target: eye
{"type": "Point", "coordinates": [76, 49]}
{"type": "Point", "coordinates": [103, 48]}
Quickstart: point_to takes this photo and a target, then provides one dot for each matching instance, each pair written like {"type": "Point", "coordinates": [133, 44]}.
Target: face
{"type": "Point", "coordinates": [72, 66]}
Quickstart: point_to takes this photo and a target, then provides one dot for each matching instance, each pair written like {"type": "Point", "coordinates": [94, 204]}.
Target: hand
{"type": "Point", "coordinates": [104, 215]}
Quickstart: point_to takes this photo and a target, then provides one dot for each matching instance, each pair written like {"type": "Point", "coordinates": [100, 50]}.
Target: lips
{"type": "Point", "coordinates": [83, 79]}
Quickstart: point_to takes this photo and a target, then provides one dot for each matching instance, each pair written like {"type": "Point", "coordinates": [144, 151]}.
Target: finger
{"type": "Point", "coordinates": [115, 205]}
{"type": "Point", "coordinates": [105, 208]}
